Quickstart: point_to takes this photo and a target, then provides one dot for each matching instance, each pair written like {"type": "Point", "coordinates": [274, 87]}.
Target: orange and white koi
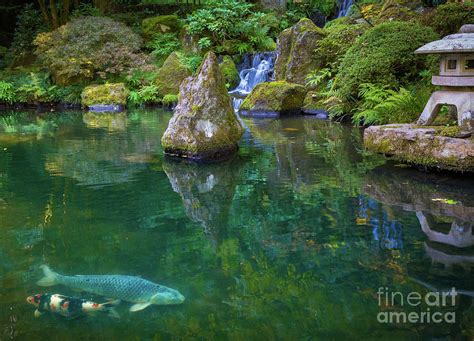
{"type": "Point", "coordinates": [69, 306]}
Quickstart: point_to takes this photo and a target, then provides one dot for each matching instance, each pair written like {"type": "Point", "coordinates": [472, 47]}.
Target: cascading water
{"type": "Point", "coordinates": [345, 7]}
{"type": "Point", "coordinates": [253, 70]}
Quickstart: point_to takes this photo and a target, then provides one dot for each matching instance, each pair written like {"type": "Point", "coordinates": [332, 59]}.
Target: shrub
{"type": "Point", "coordinates": [384, 56]}
{"type": "Point", "coordinates": [170, 99]}
{"type": "Point", "coordinates": [144, 94]}
{"type": "Point", "coordinates": [230, 26]}
{"type": "Point", "coordinates": [339, 38]}
{"type": "Point", "coordinates": [448, 18]}
{"type": "Point", "coordinates": [381, 105]}
{"type": "Point", "coordinates": [87, 47]}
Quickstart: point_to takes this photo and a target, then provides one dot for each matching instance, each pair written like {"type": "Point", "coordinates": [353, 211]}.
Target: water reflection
{"type": "Point", "coordinates": [206, 190]}
{"type": "Point", "coordinates": [444, 208]}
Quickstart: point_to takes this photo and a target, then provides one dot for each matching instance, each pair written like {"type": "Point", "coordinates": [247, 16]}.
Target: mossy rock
{"type": "Point", "coordinates": [171, 74]}
{"type": "Point", "coordinates": [274, 97]}
{"type": "Point", "coordinates": [230, 72]}
{"type": "Point", "coordinates": [113, 93]}
{"type": "Point", "coordinates": [312, 101]}
{"type": "Point", "coordinates": [295, 51]}
{"type": "Point", "coordinates": [422, 146]}
{"type": "Point", "coordinates": [204, 125]}
{"type": "Point", "coordinates": [159, 24]}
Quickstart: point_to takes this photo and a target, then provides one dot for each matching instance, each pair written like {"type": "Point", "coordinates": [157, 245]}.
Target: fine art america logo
{"type": "Point", "coordinates": [427, 306]}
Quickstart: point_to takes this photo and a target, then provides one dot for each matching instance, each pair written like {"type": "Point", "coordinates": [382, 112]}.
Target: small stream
{"type": "Point", "coordinates": [254, 69]}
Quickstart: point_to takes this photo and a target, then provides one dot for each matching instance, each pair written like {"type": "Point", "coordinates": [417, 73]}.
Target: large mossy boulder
{"type": "Point", "coordinates": [274, 98]}
{"type": "Point", "coordinates": [159, 24]}
{"type": "Point", "coordinates": [427, 147]}
{"type": "Point", "coordinates": [171, 74]}
{"type": "Point", "coordinates": [204, 125]}
{"type": "Point", "coordinates": [230, 72]}
{"type": "Point", "coordinates": [295, 52]}
{"type": "Point", "coordinates": [105, 94]}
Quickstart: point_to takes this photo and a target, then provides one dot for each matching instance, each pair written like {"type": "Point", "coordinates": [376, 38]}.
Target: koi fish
{"type": "Point", "coordinates": [69, 306]}
{"type": "Point", "coordinates": [127, 288]}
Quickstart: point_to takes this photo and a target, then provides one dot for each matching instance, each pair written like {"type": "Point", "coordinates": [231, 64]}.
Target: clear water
{"type": "Point", "coordinates": [290, 239]}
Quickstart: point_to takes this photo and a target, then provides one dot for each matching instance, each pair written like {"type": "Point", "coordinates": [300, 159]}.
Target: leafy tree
{"type": "Point", "coordinates": [89, 46]}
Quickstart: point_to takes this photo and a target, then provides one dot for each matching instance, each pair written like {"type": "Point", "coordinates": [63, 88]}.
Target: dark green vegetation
{"type": "Point", "coordinates": [361, 65]}
{"type": "Point", "coordinates": [291, 239]}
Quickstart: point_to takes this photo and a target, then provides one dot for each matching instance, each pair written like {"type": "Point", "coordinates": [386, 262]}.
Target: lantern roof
{"type": "Point", "coordinates": [462, 42]}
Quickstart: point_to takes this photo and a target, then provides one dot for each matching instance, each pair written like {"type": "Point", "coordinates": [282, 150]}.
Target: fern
{"type": "Point", "coordinates": [381, 105]}
{"type": "Point", "coordinates": [316, 77]}
{"type": "Point", "coordinates": [7, 92]}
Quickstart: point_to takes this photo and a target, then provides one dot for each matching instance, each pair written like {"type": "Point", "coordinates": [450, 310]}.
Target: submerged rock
{"type": "Point", "coordinates": [295, 52]}
{"type": "Point", "coordinates": [273, 99]}
{"type": "Point", "coordinates": [113, 94]}
{"type": "Point", "coordinates": [422, 146]}
{"type": "Point", "coordinates": [204, 125]}
{"type": "Point", "coordinates": [170, 75]}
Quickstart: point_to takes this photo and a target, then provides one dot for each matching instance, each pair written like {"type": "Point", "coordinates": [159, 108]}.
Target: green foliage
{"type": "Point", "coordinates": [144, 94]}
{"type": "Point", "coordinates": [316, 77]}
{"type": "Point", "coordinates": [7, 92]}
{"type": "Point", "coordinates": [170, 99]}
{"type": "Point", "coordinates": [229, 26]}
{"type": "Point", "coordinates": [89, 46]}
{"type": "Point", "coordinates": [85, 10]}
{"type": "Point", "coordinates": [191, 61]}
{"type": "Point", "coordinates": [384, 56]}
{"type": "Point", "coordinates": [33, 86]}
{"type": "Point", "coordinates": [339, 38]}
{"type": "Point", "coordinates": [381, 105]}
{"type": "Point", "coordinates": [448, 18]}
{"type": "Point", "coordinates": [325, 7]}
{"type": "Point", "coordinates": [164, 44]}
{"type": "Point", "coordinates": [29, 23]}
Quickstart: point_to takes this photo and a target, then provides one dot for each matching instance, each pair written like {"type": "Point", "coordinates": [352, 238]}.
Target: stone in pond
{"type": "Point", "coordinates": [274, 99]}
{"type": "Point", "coordinates": [105, 97]}
{"type": "Point", "coordinates": [204, 125]}
{"type": "Point", "coordinates": [429, 147]}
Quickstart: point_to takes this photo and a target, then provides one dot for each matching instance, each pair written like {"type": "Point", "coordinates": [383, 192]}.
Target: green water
{"type": "Point", "coordinates": [290, 239]}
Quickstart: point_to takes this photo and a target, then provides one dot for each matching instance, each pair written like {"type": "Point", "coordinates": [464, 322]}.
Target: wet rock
{"type": "Point", "coordinates": [422, 146]}
{"type": "Point", "coordinates": [112, 94]}
{"type": "Point", "coordinates": [273, 99]}
{"type": "Point", "coordinates": [160, 24]}
{"type": "Point", "coordinates": [170, 75]}
{"type": "Point", "coordinates": [230, 72]}
{"type": "Point", "coordinates": [204, 125]}
{"type": "Point", "coordinates": [295, 52]}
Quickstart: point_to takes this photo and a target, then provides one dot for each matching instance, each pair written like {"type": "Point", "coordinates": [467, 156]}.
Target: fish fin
{"type": "Point", "coordinates": [139, 306]}
{"type": "Point", "coordinates": [111, 303]}
{"type": "Point", "coordinates": [38, 313]}
{"type": "Point", "coordinates": [50, 277]}
{"type": "Point", "coordinates": [113, 313]}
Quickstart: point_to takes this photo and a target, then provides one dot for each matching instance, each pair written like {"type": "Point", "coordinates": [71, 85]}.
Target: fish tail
{"type": "Point", "coordinates": [50, 277]}
{"type": "Point", "coordinates": [109, 307]}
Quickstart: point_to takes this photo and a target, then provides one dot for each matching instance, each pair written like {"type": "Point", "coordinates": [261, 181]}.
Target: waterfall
{"type": "Point", "coordinates": [253, 70]}
{"type": "Point", "coordinates": [345, 7]}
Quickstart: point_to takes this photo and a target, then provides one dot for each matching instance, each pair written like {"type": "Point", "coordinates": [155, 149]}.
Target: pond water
{"type": "Point", "coordinates": [290, 239]}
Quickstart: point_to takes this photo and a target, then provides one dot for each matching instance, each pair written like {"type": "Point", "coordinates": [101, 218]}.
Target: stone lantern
{"type": "Point", "coordinates": [456, 76]}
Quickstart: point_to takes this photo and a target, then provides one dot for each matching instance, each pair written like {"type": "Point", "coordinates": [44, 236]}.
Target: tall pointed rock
{"type": "Point", "coordinates": [204, 125]}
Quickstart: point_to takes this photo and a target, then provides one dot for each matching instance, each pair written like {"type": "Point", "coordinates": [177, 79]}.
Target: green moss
{"type": "Point", "coordinates": [411, 152]}
{"type": "Point", "coordinates": [159, 24]}
{"type": "Point", "coordinates": [230, 72]}
{"type": "Point", "coordinates": [171, 74]}
{"type": "Point", "coordinates": [113, 93]}
{"type": "Point", "coordinates": [279, 96]}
